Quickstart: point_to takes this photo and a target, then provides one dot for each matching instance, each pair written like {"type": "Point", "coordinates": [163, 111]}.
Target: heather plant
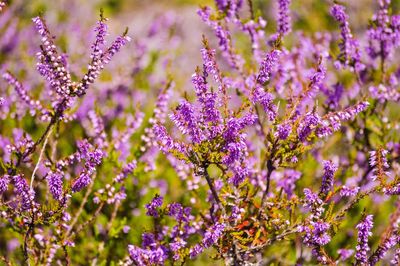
{"type": "Point", "coordinates": [283, 149]}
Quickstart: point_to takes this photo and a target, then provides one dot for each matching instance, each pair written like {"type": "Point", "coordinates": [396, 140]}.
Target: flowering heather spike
{"type": "Point", "coordinates": [101, 32]}
{"type": "Point", "coordinates": [54, 181]}
{"type": "Point", "coordinates": [235, 125]}
{"type": "Point", "coordinates": [33, 105]}
{"type": "Point", "coordinates": [383, 34]}
{"type": "Point", "coordinates": [81, 182]}
{"type": "Point", "coordinates": [213, 234]}
{"type": "Point", "coordinates": [98, 125]}
{"type": "Point", "coordinates": [185, 119]}
{"type": "Point", "coordinates": [378, 162]}
{"type": "Point", "coordinates": [364, 231]}
{"type": "Point", "coordinates": [156, 202]}
{"type": "Point", "coordinates": [288, 181]}
{"type": "Point", "coordinates": [207, 99]}
{"type": "Point", "coordinates": [266, 101]}
{"type": "Point", "coordinates": [51, 65]}
{"type": "Point", "coordinates": [396, 257]}
{"type": "Point", "coordinates": [4, 181]}
{"type": "Point", "coordinates": [167, 144]}
{"type": "Point", "coordinates": [210, 64]}
{"type": "Point", "coordinates": [128, 169]}
{"type": "Point", "coordinates": [267, 65]}
{"type": "Point", "coordinates": [307, 125]}
{"type": "Point", "coordinates": [143, 257]}
{"type": "Point", "coordinates": [100, 60]}
{"type": "Point", "coordinates": [283, 131]}
{"type": "Point", "coordinates": [284, 23]}
{"type": "Point", "coordinates": [92, 158]}
{"type": "Point", "coordinates": [22, 190]}
{"type": "Point", "coordinates": [316, 234]}
{"type": "Point", "coordinates": [195, 251]}
{"type": "Point", "coordinates": [349, 192]}
{"type": "Point", "coordinates": [387, 244]}
{"type": "Point", "coordinates": [332, 121]}
{"type": "Point", "coordinates": [349, 48]}
{"type": "Point", "coordinates": [313, 203]}
{"type": "Point", "coordinates": [317, 78]}
{"type": "Point", "coordinates": [334, 96]}
{"type": "Point", "coordinates": [327, 179]}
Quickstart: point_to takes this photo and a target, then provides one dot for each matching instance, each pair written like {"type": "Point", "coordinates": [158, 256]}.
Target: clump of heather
{"type": "Point", "coordinates": [278, 133]}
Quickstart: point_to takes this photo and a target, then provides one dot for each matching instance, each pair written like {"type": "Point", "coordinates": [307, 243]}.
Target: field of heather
{"type": "Point", "coordinates": [190, 132]}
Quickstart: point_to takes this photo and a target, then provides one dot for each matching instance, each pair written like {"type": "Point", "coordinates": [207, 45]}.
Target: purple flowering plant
{"type": "Point", "coordinates": [276, 144]}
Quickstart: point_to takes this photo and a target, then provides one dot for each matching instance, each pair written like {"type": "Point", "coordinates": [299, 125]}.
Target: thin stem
{"type": "Point", "coordinates": [96, 213]}
{"type": "Point", "coordinates": [46, 139]}
{"type": "Point", "coordinates": [211, 185]}
{"type": "Point", "coordinates": [113, 216]}
{"type": "Point", "coordinates": [83, 202]}
{"type": "Point", "coordinates": [270, 169]}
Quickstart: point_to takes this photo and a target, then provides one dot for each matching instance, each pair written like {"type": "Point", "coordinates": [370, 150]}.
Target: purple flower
{"type": "Point", "coordinates": [22, 190]}
{"type": "Point", "coordinates": [210, 65]}
{"type": "Point", "coordinates": [313, 203]}
{"type": "Point", "coordinates": [345, 253]}
{"type": "Point", "coordinates": [54, 181]}
{"type": "Point", "coordinates": [176, 210]}
{"type": "Point", "coordinates": [186, 120]}
{"type": "Point", "coordinates": [283, 131]}
{"type": "Point", "coordinates": [383, 248]}
{"type": "Point", "coordinates": [378, 162]}
{"type": "Point", "coordinates": [364, 231]}
{"type": "Point", "coordinates": [288, 181]}
{"type": "Point", "coordinates": [4, 181]}
{"type": "Point", "coordinates": [349, 47]}
{"type": "Point", "coordinates": [213, 234]}
{"type": "Point", "coordinates": [207, 99]}
{"type": "Point", "coordinates": [126, 170]}
{"type": "Point", "coordinates": [316, 234]}
{"type": "Point", "coordinates": [153, 206]}
{"type": "Point", "coordinates": [349, 192]}
{"type": "Point", "coordinates": [267, 65]}
{"type": "Point", "coordinates": [221, 4]}
{"type": "Point", "coordinates": [51, 65]}
{"type": "Point", "coordinates": [327, 179]}
{"type": "Point", "coordinates": [81, 182]}
{"type": "Point", "coordinates": [166, 142]}
{"type": "Point", "coordinates": [284, 23]}
{"type": "Point", "coordinates": [307, 125]}
{"type": "Point", "coordinates": [266, 101]}
{"type": "Point", "coordinates": [332, 121]}
{"type": "Point", "coordinates": [195, 251]}
{"type": "Point", "coordinates": [177, 245]}
{"type": "Point", "coordinates": [334, 95]}
{"type": "Point", "coordinates": [396, 257]}
{"type": "Point", "coordinates": [34, 105]}
{"type": "Point", "coordinates": [143, 257]}
{"type": "Point", "coordinates": [383, 33]}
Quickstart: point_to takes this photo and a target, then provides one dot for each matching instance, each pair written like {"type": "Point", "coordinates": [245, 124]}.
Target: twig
{"type": "Point", "coordinates": [46, 139]}
{"type": "Point", "coordinates": [211, 185]}
{"type": "Point", "coordinates": [83, 202]}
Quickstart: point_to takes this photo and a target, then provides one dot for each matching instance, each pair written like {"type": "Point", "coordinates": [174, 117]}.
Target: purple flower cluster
{"type": "Point", "coordinates": [152, 207]}
{"type": "Point", "coordinates": [349, 47]}
{"type": "Point", "coordinates": [327, 179]}
{"type": "Point", "coordinates": [364, 231]}
{"type": "Point", "coordinates": [150, 173]}
{"type": "Point", "coordinates": [284, 23]}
